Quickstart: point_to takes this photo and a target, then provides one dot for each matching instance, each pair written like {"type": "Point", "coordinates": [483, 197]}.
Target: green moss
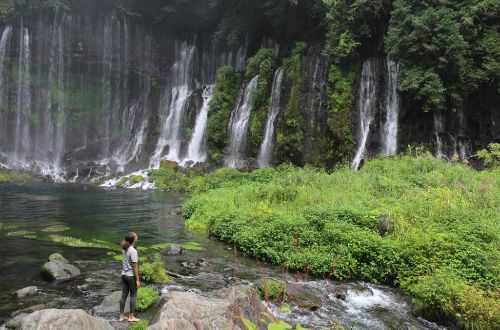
{"type": "Point", "coordinates": [154, 247]}
{"type": "Point", "coordinates": [154, 272]}
{"type": "Point", "coordinates": [289, 135]}
{"type": "Point", "coordinates": [13, 177]}
{"type": "Point", "coordinates": [191, 246]}
{"type": "Point", "coordinates": [227, 84]}
{"type": "Point", "coordinates": [263, 63]}
{"type": "Point", "coordinates": [55, 228]}
{"type": "Point", "coordinates": [134, 179]}
{"type": "Point", "coordinates": [22, 233]}
{"type": "Point", "coordinates": [79, 243]}
{"type": "Point", "coordinates": [145, 298]}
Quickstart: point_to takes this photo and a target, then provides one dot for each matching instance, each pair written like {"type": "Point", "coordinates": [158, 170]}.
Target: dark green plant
{"type": "Point", "coordinates": [145, 298]}
{"type": "Point", "coordinates": [154, 272]}
{"type": "Point", "coordinates": [289, 135]}
{"type": "Point", "coordinates": [227, 84]}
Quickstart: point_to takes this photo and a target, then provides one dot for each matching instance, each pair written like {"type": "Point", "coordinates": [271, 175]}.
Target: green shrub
{"type": "Point", "coordinates": [443, 237]}
{"type": "Point", "coordinates": [491, 155]}
{"type": "Point", "coordinates": [133, 179]}
{"type": "Point", "coordinates": [168, 179]}
{"type": "Point", "coordinates": [141, 325]}
{"type": "Point", "coordinates": [271, 290]}
{"type": "Point", "coordinates": [145, 298]}
{"type": "Point", "coordinates": [227, 83]}
{"type": "Point", "coordinates": [154, 271]}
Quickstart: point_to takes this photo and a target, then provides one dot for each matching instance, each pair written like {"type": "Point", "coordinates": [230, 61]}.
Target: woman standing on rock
{"type": "Point", "coordinates": [130, 275]}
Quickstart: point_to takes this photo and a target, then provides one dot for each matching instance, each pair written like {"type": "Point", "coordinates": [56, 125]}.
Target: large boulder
{"type": "Point", "coordinates": [58, 268]}
{"type": "Point", "coordinates": [222, 309]}
{"type": "Point", "coordinates": [74, 319]}
{"type": "Point", "coordinates": [111, 304]}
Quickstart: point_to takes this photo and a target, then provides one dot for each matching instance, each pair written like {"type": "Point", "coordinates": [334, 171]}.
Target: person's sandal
{"type": "Point", "coordinates": [135, 319]}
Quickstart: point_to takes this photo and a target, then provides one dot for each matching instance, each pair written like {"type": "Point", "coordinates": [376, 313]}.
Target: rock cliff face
{"type": "Point", "coordinates": [85, 94]}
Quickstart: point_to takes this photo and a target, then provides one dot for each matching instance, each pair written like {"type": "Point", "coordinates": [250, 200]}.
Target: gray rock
{"type": "Point", "coordinates": [74, 319]}
{"type": "Point", "coordinates": [192, 311]}
{"type": "Point", "coordinates": [302, 296]}
{"type": "Point", "coordinates": [111, 304]}
{"type": "Point", "coordinates": [58, 257]}
{"type": "Point", "coordinates": [30, 290]}
{"type": "Point", "coordinates": [175, 249]}
{"type": "Point", "coordinates": [340, 291]}
{"type": "Point", "coordinates": [58, 270]}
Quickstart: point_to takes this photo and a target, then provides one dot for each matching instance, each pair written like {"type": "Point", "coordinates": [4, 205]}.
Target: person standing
{"type": "Point", "coordinates": [130, 275]}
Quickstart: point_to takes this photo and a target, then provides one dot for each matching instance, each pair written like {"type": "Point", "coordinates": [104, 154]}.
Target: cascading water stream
{"type": "Point", "coordinates": [367, 104]}
{"type": "Point", "coordinates": [22, 145]}
{"type": "Point", "coordinates": [4, 45]}
{"type": "Point", "coordinates": [439, 130]}
{"type": "Point", "coordinates": [197, 150]}
{"type": "Point", "coordinates": [266, 147]}
{"type": "Point", "coordinates": [238, 125]}
{"type": "Point", "coordinates": [392, 102]}
{"type": "Point", "coordinates": [173, 115]}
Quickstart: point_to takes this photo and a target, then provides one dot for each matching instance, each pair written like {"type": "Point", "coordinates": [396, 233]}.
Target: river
{"type": "Point", "coordinates": [90, 213]}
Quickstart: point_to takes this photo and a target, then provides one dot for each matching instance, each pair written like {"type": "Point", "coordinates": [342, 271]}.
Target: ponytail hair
{"type": "Point", "coordinates": [128, 240]}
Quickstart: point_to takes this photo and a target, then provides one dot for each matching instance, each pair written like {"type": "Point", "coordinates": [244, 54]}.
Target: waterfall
{"type": "Point", "coordinates": [4, 45]}
{"type": "Point", "coordinates": [439, 130]}
{"type": "Point", "coordinates": [390, 130]}
{"type": "Point", "coordinates": [197, 150]}
{"type": "Point", "coordinates": [367, 104]}
{"type": "Point", "coordinates": [238, 124]}
{"type": "Point", "coordinates": [171, 132]}
{"type": "Point", "coordinates": [265, 151]}
{"type": "Point", "coordinates": [462, 145]}
{"type": "Point", "coordinates": [22, 144]}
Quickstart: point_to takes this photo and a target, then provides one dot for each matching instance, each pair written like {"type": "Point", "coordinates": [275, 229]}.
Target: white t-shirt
{"type": "Point", "coordinates": [129, 256]}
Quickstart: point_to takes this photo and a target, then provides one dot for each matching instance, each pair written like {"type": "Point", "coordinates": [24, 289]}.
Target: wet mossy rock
{"type": "Point", "coordinates": [58, 268]}
{"type": "Point", "coordinates": [58, 257]}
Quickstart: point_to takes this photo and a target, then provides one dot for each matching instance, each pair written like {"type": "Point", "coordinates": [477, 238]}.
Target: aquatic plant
{"type": "Point", "coordinates": [145, 298]}
{"type": "Point", "coordinates": [55, 228]}
{"type": "Point", "coordinates": [154, 272]}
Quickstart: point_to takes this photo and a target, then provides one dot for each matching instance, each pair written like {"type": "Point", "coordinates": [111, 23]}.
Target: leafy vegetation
{"type": "Point", "coordinates": [226, 89]}
{"type": "Point", "coordinates": [425, 225]}
{"type": "Point", "coordinates": [289, 135]}
{"type": "Point", "coordinates": [154, 272]}
{"type": "Point", "coordinates": [141, 325]}
{"type": "Point", "coordinates": [491, 155]}
{"type": "Point", "coordinates": [79, 243]}
{"type": "Point", "coordinates": [10, 177]}
{"type": "Point", "coordinates": [263, 63]}
{"type": "Point", "coordinates": [271, 290]}
{"type": "Point", "coordinates": [145, 298]}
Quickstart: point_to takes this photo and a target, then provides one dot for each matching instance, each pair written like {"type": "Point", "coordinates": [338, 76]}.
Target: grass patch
{"type": "Point", "coordinates": [145, 298]}
{"type": "Point", "coordinates": [425, 225]}
{"type": "Point", "coordinates": [154, 272]}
